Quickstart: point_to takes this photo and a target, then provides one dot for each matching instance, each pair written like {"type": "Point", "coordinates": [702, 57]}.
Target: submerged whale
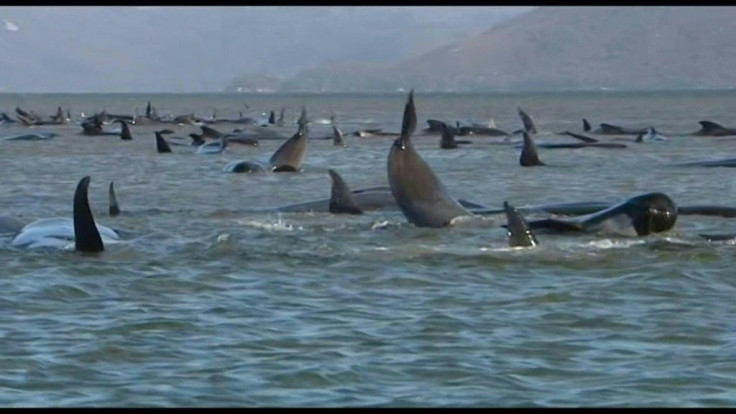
{"type": "Point", "coordinates": [712, 129]}
{"type": "Point", "coordinates": [644, 214]}
{"type": "Point", "coordinates": [608, 129]}
{"type": "Point", "coordinates": [420, 195]}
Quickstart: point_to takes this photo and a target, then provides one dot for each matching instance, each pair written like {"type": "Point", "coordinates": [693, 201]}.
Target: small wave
{"type": "Point", "coordinates": [279, 225]}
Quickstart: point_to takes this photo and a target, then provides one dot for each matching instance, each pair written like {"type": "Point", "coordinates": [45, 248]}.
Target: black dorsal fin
{"type": "Point", "coordinates": [337, 138]}
{"type": "Point", "coordinates": [527, 121]}
{"type": "Point", "coordinates": [272, 118]}
{"type": "Point", "coordinates": [710, 126]}
{"type": "Point", "coordinates": [529, 156]}
{"type": "Point", "coordinates": [86, 236]}
{"type": "Point", "coordinates": [409, 122]}
{"type": "Point", "coordinates": [447, 140]}
{"type": "Point", "coordinates": [113, 201]}
{"type": "Point", "coordinates": [520, 235]}
{"type": "Point", "coordinates": [341, 199]}
{"type": "Point", "coordinates": [125, 134]}
{"type": "Point", "coordinates": [586, 125]}
{"type": "Point", "coordinates": [161, 145]}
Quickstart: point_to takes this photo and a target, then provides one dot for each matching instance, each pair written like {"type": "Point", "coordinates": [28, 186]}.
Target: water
{"type": "Point", "coordinates": [206, 303]}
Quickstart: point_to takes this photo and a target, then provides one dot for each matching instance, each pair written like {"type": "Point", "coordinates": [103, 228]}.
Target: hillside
{"type": "Point", "coordinates": [203, 49]}
{"type": "Point", "coordinates": [566, 48]}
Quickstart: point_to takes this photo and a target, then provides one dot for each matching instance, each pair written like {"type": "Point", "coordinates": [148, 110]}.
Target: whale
{"type": "Point", "coordinates": [125, 134]}
{"type": "Point", "coordinates": [641, 215]}
{"type": "Point", "coordinates": [338, 139]}
{"type": "Point", "coordinates": [586, 125]}
{"type": "Point", "coordinates": [419, 193]}
{"type": "Point", "coordinates": [651, 135]}
{"type": "Point", "coordinates": [341, 198]}
{"type": "Point", "coordinates": [86, 235]}
{"type": "Point", "coordinates": [519, 233]}
{"type": "Point", "coordinates": [214, 147]}
{"type": "Point", "coordinates": [287, 158]}
{"type": "Point", "coordinates": [728, 163]}
{"type": "Point", "coordinates": [587, 142]}
{"type": "Point", "coordinates": [608, 129]}
{"type": "Point", "coordinates": [529, 156]}
{"type": "Point", "coordinates": [447, 138]}
{"type": "Point", "coordinates": [114, 207]}
{"type": "Point", "coordinates": [162, 147]}
{"type": "Point", "coordinates": [32, 136]}
{"type": "Point", "coordinates": [712, 129]}
{"type": "Point", "coordinates": [527, 121]}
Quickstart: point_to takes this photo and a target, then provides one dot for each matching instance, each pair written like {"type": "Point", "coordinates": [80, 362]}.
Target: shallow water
{"type": "Point", "coordinates": [208, 303]}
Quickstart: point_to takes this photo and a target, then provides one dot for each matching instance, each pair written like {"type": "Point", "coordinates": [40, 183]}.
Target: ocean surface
{"type": "Point", "coordinates": [208, 301]}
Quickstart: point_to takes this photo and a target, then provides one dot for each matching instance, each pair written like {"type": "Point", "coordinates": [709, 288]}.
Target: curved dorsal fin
{"type": "Point", "coordinates": [113, 201]}
{"type": "Point", "coordinates": [529, 156]}
{"type": "Point", "coordinates": [341, 198]}
{"type": "Point", "coordinates": [337, 138]}
{"type": "Point", "coordinates": [86, 236]}
{"type": "Point", "coordinates": [272, 118]}
{"type": "Point", "coordinates": [448, 138]}
{"type": "Point", "coordinates": [710, 126]}
{"type": "Point", "coordinates": [586, 125]}
{"type": "Point", "coordinates": [527, 121]}
{"type": "Point", "coordinates": [409, 121]}
{"type": "Point", "coordinates": [125, 134]}
{"type": "Point", "coordinates": [520, 235]}
{"type": "Point", "coordinates": [161, 145]}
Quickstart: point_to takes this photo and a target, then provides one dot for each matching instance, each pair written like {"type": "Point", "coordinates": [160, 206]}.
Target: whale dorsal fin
{"type": "Point", "coordinates": [272, 118]}
{"type": "Point", "coordinates": [409, 121]}
{"type": "Point", "coordinates": [337, 137]}
{"type": "Point", "coordinates": [710, 126]}
{"type": "Point", "coordinates": [113, 201]}
{"type": "Point", "coordinates": [529, 156]}
{"type": "Point", "coordinates": [196, 139]}
{"type": "Point", "coordinates": [520, 235]}
{"type": "Point", "coordinates": [527, 121]}
{"type": "Point", "coordinates": [161, 145]}
{"type": "Point", "coordinates": [341, 198]}
{"type": "Point", "coordinates": [125, 134]}
{"type": "Point", "coordinates": [586, 125]}
{"type": "Point", "coordinates": [86, 236]}
{"type": "Point", "coordinates": [448, 138]}
{"type": "Point", "coordinates": [210, 132]}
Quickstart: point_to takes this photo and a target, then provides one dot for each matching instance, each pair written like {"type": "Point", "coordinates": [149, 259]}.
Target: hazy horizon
{"type": "Point", "coordinates": [193, 49]}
